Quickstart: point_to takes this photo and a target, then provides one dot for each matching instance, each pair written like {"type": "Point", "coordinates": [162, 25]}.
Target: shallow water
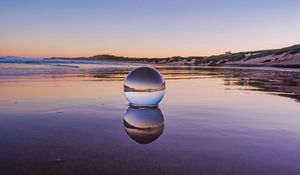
{"type": "Point", "coordinates": [76, 120]}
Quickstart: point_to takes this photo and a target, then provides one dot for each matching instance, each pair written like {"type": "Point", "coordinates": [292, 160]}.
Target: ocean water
{"type": "Point", "coordinates": [74, 119]}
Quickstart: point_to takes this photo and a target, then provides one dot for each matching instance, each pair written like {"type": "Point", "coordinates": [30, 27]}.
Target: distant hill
{"type": "Point", "coordinates": [274, 57]}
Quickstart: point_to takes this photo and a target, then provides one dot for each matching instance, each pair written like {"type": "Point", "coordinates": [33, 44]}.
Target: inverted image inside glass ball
{"type": "Point", "coordinates": [144, 86]}
{"type": "Point", "coordinates": [144, 125]}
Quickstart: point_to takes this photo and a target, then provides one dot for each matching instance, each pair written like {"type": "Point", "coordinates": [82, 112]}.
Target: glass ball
{"type": "Point", "coordinates": [144, 86]}
{"type": "Point", "coordinates": [143, 125]}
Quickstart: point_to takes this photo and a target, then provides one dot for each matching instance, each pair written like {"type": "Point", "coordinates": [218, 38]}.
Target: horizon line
{"type": "Point", "coordinates": [147, 57]}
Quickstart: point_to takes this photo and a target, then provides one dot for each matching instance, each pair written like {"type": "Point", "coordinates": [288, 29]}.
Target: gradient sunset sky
{"type": "Point", "coordinates": [140, 28]}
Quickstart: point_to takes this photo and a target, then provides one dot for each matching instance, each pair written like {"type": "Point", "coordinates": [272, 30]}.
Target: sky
{"type": "Point", "coordinates": [145, 28]}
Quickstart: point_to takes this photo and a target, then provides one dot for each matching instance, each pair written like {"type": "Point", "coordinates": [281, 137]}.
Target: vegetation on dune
{"type": "Point", "coordinates": [291, 50]}
{"type": "Point", "coordinates": [253, 54]}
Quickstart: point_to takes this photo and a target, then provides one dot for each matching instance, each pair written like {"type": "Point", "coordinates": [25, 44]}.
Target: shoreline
{"type": "Point", "coordinates": [288, 57]}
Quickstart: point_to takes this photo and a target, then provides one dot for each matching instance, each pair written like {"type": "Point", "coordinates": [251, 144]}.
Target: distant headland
{"type": "Point", "coordinates": [283, 57]}
{"type": "Point", "coordinates": [288, 57]}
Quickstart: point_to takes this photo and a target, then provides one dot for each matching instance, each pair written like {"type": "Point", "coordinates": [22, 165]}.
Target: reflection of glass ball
{"type": "Point", "coordinates": [144, 86]}
{"type": "Point", "coordinates": [144, 125]}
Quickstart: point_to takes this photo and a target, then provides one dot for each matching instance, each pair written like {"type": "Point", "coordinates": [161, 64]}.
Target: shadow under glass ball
{"type": "Point", "coordinates": [143, 125]}
{"type": "Point", "coordinates": [144, 86]}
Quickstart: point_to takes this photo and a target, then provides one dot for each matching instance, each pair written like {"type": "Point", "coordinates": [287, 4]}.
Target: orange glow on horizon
{"type": "Point", "coordinates": [42, 52]}
{"type": "Point", "coordinates": [77, 53]}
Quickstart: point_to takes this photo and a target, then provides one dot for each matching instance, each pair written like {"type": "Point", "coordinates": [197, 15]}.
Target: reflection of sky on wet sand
{"type": "Point", "coordinates": [215, 121]}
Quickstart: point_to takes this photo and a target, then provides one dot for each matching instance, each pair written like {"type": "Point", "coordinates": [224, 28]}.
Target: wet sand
{"type": "Point", "coordinates": [68, 120]}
